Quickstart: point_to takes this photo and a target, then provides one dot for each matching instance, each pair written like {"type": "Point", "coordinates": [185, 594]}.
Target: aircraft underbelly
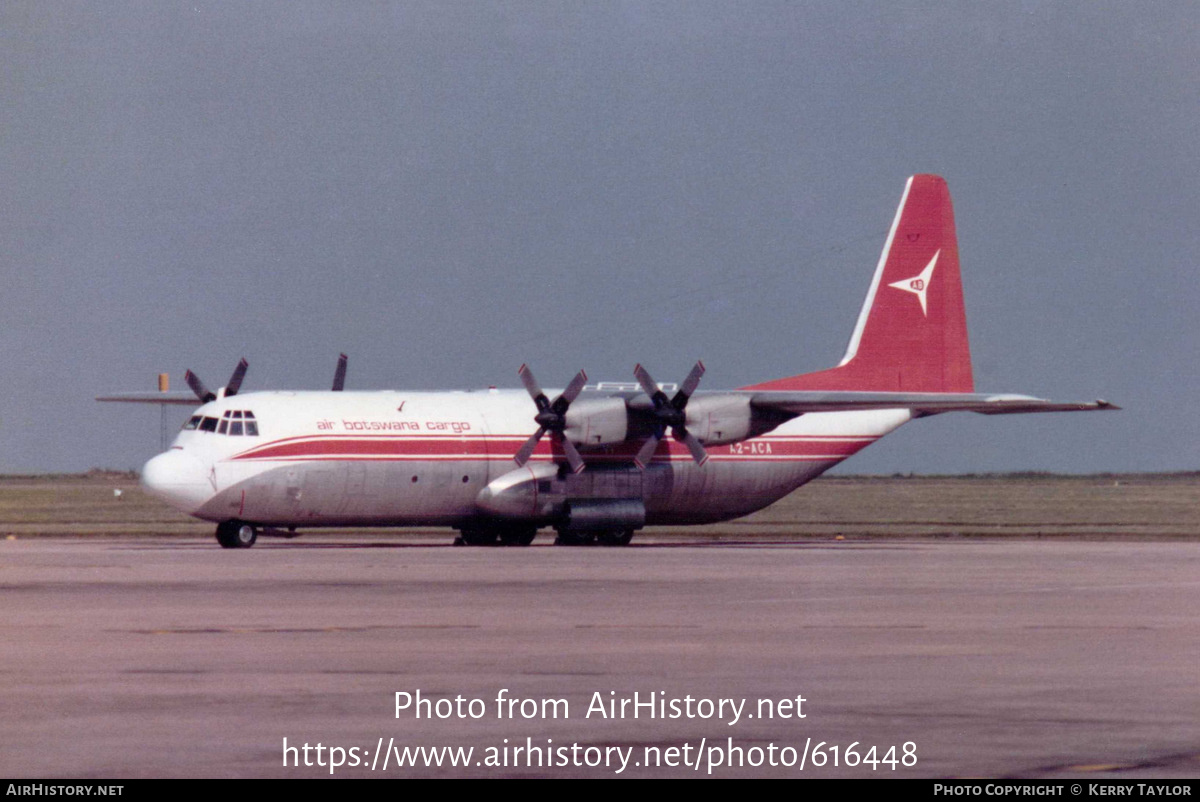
{"type": "Point", "coordinates": [378, 493]}
{"type": "Point", "coordinates": [718, 492]}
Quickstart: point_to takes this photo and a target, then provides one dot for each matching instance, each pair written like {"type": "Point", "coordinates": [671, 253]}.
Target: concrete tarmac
{"type": "Point", "coordinates": [156, 657]}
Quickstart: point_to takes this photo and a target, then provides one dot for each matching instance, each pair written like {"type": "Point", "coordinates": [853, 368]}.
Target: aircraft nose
{"type": "Point", "coordinates": [177, 479]}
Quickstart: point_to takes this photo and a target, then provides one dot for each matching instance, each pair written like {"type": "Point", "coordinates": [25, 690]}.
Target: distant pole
{"type": "Point", "coordinates": [164, 385]}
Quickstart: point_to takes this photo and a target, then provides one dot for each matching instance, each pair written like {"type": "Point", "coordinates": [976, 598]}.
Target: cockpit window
{"type": "Point", "coordinates": [233, 423]}
{"type": "Point", "coordinates": [192, 423]}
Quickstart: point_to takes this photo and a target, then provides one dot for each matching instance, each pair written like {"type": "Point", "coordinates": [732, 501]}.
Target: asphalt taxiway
{"type": "Point", "coordinates": [157, 657]}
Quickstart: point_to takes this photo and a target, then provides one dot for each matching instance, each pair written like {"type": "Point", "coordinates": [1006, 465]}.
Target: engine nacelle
{"type": "Point", "coordinates": [597, 421]}
{"type": "Point", "coordinates": [531, 493]}
{"type": "Point", "coordinates": [716, 420]}
{"type": "Point", "coordinates": [535, 493]}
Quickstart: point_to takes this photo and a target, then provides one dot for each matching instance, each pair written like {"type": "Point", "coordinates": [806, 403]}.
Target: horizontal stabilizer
{"type": "Point", "coordinates": [172, 397]}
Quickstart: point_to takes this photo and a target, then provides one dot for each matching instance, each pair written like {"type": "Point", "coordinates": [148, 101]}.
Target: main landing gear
{"type": "Point", "coordinates": [236, 535]}
{"type": "Point", "coordinates": [484, 535]}
{"type": "Point", "coordinates": [241, 535]}
{"type": "Point", "coordinates": [516, 535]}
{"type": "Point", "coordinates": [604, 537]}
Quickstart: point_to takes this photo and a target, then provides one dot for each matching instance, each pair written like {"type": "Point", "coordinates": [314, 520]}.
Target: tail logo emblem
{"type": "Point", "coordinates": [919, 283]}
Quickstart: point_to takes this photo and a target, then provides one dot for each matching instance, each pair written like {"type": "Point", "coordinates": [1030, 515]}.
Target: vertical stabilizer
{"type": "Point", "coordinates": [911, 335]}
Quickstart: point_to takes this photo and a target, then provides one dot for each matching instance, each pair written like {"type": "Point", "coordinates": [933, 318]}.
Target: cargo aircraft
{"type": "Point", "coordinates": [595, 462]}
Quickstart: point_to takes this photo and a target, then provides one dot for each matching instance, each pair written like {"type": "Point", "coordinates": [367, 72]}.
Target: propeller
{"type": "Point", "coordinates": [670, 413]}
{"type": "Point", "coordinates": [551, 417]}
{"type": "Point", "coordinates": [339, 375]}
{"type": "Point", "coordinates": [205, 395]}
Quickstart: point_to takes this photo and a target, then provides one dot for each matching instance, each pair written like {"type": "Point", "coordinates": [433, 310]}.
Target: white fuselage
{"type": "Point", "coordinates": [390, 458]}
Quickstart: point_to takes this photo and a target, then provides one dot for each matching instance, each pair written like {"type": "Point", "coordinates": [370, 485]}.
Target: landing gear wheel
{"type": "Point", "coordinates": [518, 536]}
{"type": "Point", "coordinates": [246, 536]}
{"type": "Point", "coordinates": [236, 535]}
{"type": "Point", "coordinates": [568, 538]}
{"type": "Point", "coordinates": [226, 535]}
{"type": "Point", "coordinates": [615, 537]}
{"type": "Point", "coordinates": [478, 536]}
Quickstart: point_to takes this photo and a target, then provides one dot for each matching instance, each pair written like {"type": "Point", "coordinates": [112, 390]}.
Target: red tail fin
{"type": "Point", "coordinates": [911, 335]}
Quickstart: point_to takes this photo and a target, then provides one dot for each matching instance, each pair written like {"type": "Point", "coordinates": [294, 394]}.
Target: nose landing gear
{"type": "Point", "coordinates": [236, 535]}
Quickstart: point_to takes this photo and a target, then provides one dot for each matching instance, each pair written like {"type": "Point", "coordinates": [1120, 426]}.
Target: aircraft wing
{"type": "Point", "coordinates": [790, 403]}
{"type": "Point", "coordinates": [800, 402]}
{"type": "Point", "coordinates": [714, 418]}
{"type": "Point", "coordinates": [181, 398]}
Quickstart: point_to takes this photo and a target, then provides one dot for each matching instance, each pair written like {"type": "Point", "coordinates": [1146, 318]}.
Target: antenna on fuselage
{"type": "Point", "coordinates": [339, 375]}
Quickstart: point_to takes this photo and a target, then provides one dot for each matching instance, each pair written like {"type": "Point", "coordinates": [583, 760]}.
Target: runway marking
{"type": "Point", "coordinates": [1164, 762]}
{"type": "Point", "coordinates": [288, 630]}
{"type": "Point", "coordinates": [1127, 586]}
{"type": "Point", "coordinates": [863, 626]}
{"type": "Point", "coordinates": [637, 626]}
{"type": "Point", "coordinates": [1089, 626]}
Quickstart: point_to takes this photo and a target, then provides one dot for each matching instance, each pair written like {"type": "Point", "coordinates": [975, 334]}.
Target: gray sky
{"type": "Point", "coordinates": [447, 190]}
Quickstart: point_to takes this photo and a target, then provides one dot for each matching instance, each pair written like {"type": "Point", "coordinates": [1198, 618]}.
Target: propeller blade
{"type": "Point", "coordinates": [646, 452]}
{"type": "Point", "coordinates": [689, 384]}
{"type": "Point", "coordinates": [648, 384]}
{"type": "Point", "coordinates": [203, 393]}
{"type": "Point", "coordinates": [551, 417]}
{"type": "Point", "coordinates": [533, 388]}
{"type": "Point", "coordinates": [339, 375]}
{"type": "Point", "coordinates": [526, 451]}
{"type": "Point", "coordinates": [563, 402]}
{"type": "Point", "coordinates": [235, 381]}
{"type": "Point", "coordinates": [574, 388]}
{"type": "Point", "coordinates": [694, 446]}
{"type": "Point", "coordinates": [572, 453]}
{"type": "Point", "coordinates": [529, 381]}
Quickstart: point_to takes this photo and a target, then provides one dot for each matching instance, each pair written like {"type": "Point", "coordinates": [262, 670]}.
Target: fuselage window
{"type": "Point", "coordinates": [192, 423]}
{"type": "Point", "coordinates": [208, 425]}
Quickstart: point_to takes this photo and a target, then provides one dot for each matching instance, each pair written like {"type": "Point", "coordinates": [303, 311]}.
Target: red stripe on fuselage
{"type": "Point", "coordinates": [390, 447]}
